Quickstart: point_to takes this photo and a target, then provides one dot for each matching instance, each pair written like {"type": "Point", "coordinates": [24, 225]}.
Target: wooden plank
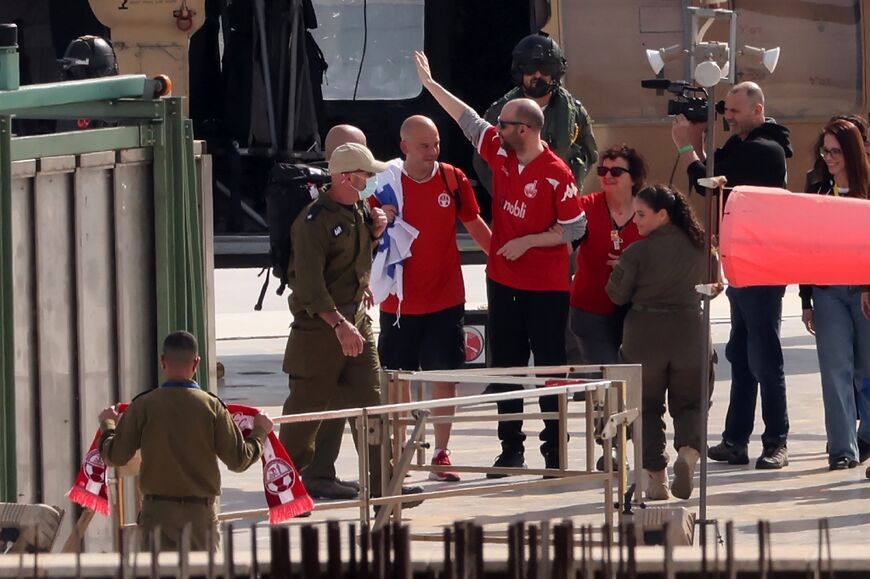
{"type": "Point", "coordinates": [27, 443]}
{"type": "Point", "coordinates": [135, 297]}
{"type": "Point", "coordinates": [60, 164]}
{"type": "Point", "coordinates": [135, 287]}
{"type": "Point", "coordinates": [22, 169]}
{"type": "Point", "coordinates": [98, 159]}
{"type": "Point", "coordinates": [204, 182]}
{"type": "Point", "coordinates": [95, 309]}
{"type": "Point", "coordinates": [55, 299]}
{"type": "Point", "coordinates": [143, 155]}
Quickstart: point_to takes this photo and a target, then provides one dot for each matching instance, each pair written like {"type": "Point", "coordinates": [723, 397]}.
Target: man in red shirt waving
{"type": "Point", "coordinates": [424, 329]}
{"type": "Point", "coordinates": [535, 213]}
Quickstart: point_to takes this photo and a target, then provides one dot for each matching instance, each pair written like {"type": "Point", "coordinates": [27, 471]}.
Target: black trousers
{"type": "Point", "coordinates": [523, 322]}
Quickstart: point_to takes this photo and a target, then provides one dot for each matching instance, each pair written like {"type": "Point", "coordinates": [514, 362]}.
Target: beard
{"type": "Point", "coordinates": [506, 143]}
{"type": "Point", "coordinates": [537, 88]}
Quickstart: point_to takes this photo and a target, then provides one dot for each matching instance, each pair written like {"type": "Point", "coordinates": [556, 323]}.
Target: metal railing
{"type": "Point", "coordinates": [610, 405]}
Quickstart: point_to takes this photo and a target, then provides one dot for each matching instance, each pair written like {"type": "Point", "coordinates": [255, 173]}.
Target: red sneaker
{"type": "Point", "coordinates": [442, 458]}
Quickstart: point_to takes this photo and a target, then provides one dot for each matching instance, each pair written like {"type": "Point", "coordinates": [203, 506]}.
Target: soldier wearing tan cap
{"type": "Point", "coordinates": [331, 356]}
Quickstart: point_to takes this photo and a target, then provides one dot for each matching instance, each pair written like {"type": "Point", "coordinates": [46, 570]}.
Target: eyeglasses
{"type": "Point", "coordinates": [502, 124]}
{"type": "Point", "coordinates": [833, 153]}
{"type": "Point", "coordinates": [615, 171]}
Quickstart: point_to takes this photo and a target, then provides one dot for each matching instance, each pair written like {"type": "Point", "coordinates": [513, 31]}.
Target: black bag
{"type": "Point", "coordinates": [288, 193]}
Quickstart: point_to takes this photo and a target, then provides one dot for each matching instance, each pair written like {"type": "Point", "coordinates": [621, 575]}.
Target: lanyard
{"type": "Point", "coordinates": [180, 384]}
{"type": "Point", "coordinates": [615, 228]}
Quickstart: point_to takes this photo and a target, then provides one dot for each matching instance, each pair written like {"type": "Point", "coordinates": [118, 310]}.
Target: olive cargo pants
{"type": "Point", "coordinates": [323, 378]}
{"type": "Point", "coordinates": [172, 516]}
{"type": "Point", "coordinates": [669, 346]}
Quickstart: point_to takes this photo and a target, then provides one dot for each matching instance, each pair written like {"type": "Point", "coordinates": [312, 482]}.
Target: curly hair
{"type": "Point", "coordinates": [636, 164]}
{"type": "Point", "coordinates": [660, 197]}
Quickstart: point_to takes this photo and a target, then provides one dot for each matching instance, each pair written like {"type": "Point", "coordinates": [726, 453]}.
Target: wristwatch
{"type": "Point", "coordinates": [338, 323]}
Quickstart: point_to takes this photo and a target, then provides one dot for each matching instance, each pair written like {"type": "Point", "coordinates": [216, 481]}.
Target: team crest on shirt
{"type": "Point", "coordinates": [531, 189]}
{"type": "Point", "coordinates": [444, 200]}
{"type": "Point", "coordinates": [570, 191]}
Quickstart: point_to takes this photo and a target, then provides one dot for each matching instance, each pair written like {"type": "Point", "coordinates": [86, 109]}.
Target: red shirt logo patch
{"type": "Point", "coordinates": [444, 200]}
{"type": "Point", "coordinates": [531, 189]}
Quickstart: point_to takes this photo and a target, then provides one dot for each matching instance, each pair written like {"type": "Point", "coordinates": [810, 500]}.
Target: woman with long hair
{"type": "Point", "coordinates": [833, 313]}
{"type": "Point", "coordinates": [664, 331]}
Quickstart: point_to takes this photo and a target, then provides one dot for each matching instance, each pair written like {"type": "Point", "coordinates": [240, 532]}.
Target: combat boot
{"type": "Point", "coordinates": [684, 472]}
{"type": "Point", "coordinates": [657, 485]}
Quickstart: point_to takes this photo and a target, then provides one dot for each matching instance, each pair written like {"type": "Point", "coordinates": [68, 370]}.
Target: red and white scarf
{"type": "Point", "coordinates": [285, 494]}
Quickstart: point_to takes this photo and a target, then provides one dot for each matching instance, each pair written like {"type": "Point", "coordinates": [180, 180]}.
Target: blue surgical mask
{"type": "Point", "coordinates": [370, 188]}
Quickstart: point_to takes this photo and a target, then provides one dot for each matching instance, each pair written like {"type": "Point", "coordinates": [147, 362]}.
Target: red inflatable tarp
{"type": "Point", "coordinates": [772, 236]}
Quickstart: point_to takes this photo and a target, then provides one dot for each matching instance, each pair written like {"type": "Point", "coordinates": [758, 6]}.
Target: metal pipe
{"type": "Point", "coordinates": [706, 355]}
{"type": "Point", "coordinates": [295, 31]}
{"type": "Point", "coordinates": [463, 400]}
{"type": "Point", "coordinates": [9, 65]}
{"type": "Point", "coordinates": [260, 14]}
{"type": "Point", "coordinates": [245, 207]}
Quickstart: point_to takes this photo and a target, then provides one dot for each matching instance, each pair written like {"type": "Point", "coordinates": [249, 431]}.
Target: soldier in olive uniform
{"type": "Point", "coordinates": [320, 478]}
{"type": "Point", "coordinates": [181, 430]}
{"type": "Point", "coordinates": [537, 68]}
{"type": "Point", "coordinates": [331, 356]}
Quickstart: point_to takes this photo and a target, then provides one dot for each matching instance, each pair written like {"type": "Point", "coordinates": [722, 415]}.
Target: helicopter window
{"type": "Point", "coordinates": [386, 31]}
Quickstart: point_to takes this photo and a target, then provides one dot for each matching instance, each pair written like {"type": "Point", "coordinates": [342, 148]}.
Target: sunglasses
{"type": "Point", "coordinates": [547, 69]}
{"type": "Point", "coordinates": [502, 124]}
{"type": "Point", "coordinates": [615, 171]}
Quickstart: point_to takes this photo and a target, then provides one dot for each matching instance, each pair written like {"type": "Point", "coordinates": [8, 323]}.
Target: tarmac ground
{"type": "Point", "coordinates": [251, 347]}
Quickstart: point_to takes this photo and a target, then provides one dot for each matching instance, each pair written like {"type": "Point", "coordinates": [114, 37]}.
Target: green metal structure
{"type": "Point", "coordinates": [144, 121]}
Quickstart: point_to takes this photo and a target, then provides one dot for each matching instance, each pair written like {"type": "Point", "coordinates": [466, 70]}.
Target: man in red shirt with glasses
{"type": "Point", "coordinates": [536, 213]}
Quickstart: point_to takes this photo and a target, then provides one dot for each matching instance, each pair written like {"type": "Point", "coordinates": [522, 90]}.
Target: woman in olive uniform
{"type": "Point", "coordinates": [663, 330]}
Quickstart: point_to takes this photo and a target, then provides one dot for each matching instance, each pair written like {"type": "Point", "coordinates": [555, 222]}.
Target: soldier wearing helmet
{"type": "Point", "coordinates": [88, 57]}
{"type": "Point", "coordinates": [537, 69]}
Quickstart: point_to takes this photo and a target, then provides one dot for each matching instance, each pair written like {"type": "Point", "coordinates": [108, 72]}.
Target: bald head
{"type": "Point", "coordinates": [420, 144]}
{"type": "Point", "coordinates": [744, 108]}
{"type": "Point", "coordinates": [525, 111]}
{"type": "Point", "coordinates": [340, 135]}
{"type": "Point", "coordinates": [416, 126]}
{"type": "Point", "coordinates": [752, 91]}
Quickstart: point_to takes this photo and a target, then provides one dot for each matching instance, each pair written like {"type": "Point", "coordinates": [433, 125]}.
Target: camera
{"type": "Point", "coordinates": [686, 103]}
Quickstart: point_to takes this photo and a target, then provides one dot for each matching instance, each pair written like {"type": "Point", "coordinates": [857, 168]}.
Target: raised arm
{"type": "Point", "coordinates": [451, 105]}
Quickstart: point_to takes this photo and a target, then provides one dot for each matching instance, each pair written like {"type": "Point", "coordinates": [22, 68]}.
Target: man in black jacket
{"type": "Point", "coordinates": [754, 155]}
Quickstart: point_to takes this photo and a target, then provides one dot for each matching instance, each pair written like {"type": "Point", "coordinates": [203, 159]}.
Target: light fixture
{"type": "Point", "coordinates": [708, 73]}
{"type": "Point", "coordinates": [767, 57]}
{"type": "Point", "coordinates": [658, 58]}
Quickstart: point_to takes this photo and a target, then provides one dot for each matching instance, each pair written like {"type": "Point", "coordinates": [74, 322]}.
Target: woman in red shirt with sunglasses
{"type": "Point", "coordinates": [595, 321]}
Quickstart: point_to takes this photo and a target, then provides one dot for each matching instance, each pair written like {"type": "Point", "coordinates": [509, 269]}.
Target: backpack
{"type": "Point", "coordinates": [288, 192]}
